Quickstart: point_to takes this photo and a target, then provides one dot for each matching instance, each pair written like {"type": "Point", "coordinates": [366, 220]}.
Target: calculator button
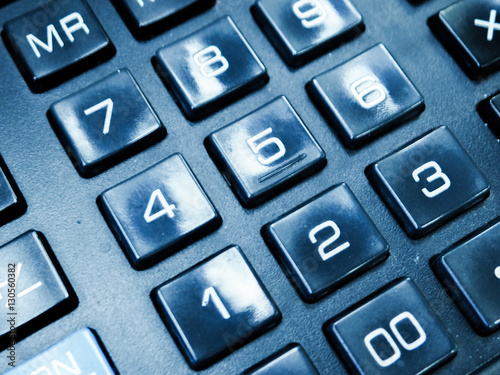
{"type": "Point", "coordinates": [428, 182]}
{"type": "Point", "coordinates": [393, 332]}
{"type": "Point", "coordinates": [325, 242]}
{"type": "Point", "coordinates": [210, 68]}
{"type": "Point", "coordinates": [365, 96]}
{"type": "Point", "coordinates": [470, 30]}
{"type": "Point", "coordinates": [41, 295]}
{"type": "Point", "coordinates": [303, 29]}
{"type": "Point", "coordinates": [215, 307]}
{"type": "Point", "coordinates": [105, 123]}
{"type": "Point", "coordinates": [489, 109]}
{"type": "Point", "coordinates": [146, 18]}
{"type": "Point", "coordinates": [69, 41]}
{"type": "Point", "coordinates": [476, 293]}
{"type": "Point", "coordinates": [266, 151]}
{"type": "Point", "coordinates": [79, 353]}
{"type": "Point", "coordinates": [12, 203]}
{"type": "Point", "coordinates": [291, 360]}
{"type": "Point", "coordinates": [158, 211]}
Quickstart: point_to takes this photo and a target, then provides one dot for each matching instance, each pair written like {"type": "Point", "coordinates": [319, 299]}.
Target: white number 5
{"type": "Point", "coordinates": [256, 147]}
{"type": "Point", "coordinates": [438, 174]}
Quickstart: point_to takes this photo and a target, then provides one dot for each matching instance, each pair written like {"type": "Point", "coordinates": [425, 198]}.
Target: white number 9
{"type": "Point", "coordinates": [310, 12]}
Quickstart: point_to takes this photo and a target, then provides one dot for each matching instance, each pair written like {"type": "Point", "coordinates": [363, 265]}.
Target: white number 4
{"type": "Point", "coordinates": [108, 104]}
{"type": "Point", "coordinates": [166, 210]}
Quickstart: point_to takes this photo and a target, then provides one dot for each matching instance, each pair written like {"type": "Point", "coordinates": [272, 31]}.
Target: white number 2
{"type": "Point", "coordinates": [438, 174]}
{"type": "Point", "coordinates": [211, 293]}
{"type": "Point", "coordinates": [256, 147]}
{"type": "Point", "coordinates": [211, 61]}
{"type": "Point", "coordinates": [166, 210]}
{"type": "Point", "coordinates": [108, 104]}
{"type": "Point", "coordinates": [336, 234]}
{"type": "Point", "coordinates": [310, 12]}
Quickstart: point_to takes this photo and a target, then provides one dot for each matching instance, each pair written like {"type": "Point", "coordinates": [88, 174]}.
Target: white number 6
{"type": "Point", "coordinates": [438, 174]}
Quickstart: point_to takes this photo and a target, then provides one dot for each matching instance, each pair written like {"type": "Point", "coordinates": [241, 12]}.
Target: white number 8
{"type": "Point", "coordinates": [211, 61]}
{"type": "Point", "coordinates": [438, 174]}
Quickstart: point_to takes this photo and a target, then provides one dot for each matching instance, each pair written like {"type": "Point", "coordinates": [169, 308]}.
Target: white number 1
{"type": "Point", "coordinates": [108, 104]}
{"type": "Point", "coordinates": [212, 293]}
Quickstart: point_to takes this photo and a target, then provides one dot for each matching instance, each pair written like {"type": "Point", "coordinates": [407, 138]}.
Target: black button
{"type": "Point", "coordinates": [470, 271]}
{"type": "Point", "coordinates": [393, 332]}
{"type": "Point", "coordinates": [146, 18]}
{"type": "Point", "coordinates": [158, 211]}
{"type": "Point", "coordinates": [325, 242]}
{"type": "Point", "coordinates": [12, 203]}
{"type": "Point", "coordinates": [490, 368]}
{"type": "Point", "coordinates": [79, 353]}
{"type": "Point", "coordinates": [69, 41]}
{"type": "Point", "coordinates": [105, 123]}
{"type": "Point", "coordinates": [215, 307]}
{"type": "Point", "coordinates": [303, 29]}
{"type": "Point", "coordinates": [470, 30]}
{"type": "Point", "coordinates": [291, 360]}
{"type": "Point", "coordinates": [489, 109]}
{"type": "Point", "coordinates": [265, 152]}
{"type": "Point", "coordinates": [365, 96]}
{"type": "Point", "coordinates": [34, 291]}
{"type": "Point", "coordinates": [210, 68]}
{"type": "Point", "coordinates": [428, 182]}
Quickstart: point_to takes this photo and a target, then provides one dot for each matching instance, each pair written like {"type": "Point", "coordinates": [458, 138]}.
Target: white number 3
{"type": "Point", "coordinates": [438, 174]}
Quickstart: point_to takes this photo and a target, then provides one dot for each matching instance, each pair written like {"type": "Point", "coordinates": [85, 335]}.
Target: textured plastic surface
{"type": "Point", "coordinates": [114, 298]}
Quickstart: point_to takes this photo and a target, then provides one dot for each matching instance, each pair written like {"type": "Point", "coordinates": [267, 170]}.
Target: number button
{"type": "Point", "coordinates": [215, 307]}
{"type": "Point", "coordinates": [105, 123]}
{"type": "Point", "coordinates": [210, 68]}
{"type": "Point", "coordinates": [428, 182]}
{"type": "Point", "coordinates": [392, 332]}
{"type": "Point", "coordinates": [365, 96]}
{"type": "Point", "coordinates": [265, 152]}
{"type": "Point", "coordinates": [325, 242]}
{"type": "Point", "coordinates": [489, 109]}
{"type": "Point", "coordinates": [33, 288]}
{"type": "Point", "coordinates": [55, 42]}
{"type": "Point", "coordinates": [78, 354]}
{"type": "Point", "coordinates": [470, 271]}
{"type": "Point", "coordinates": [158, 211]}
{"type": "Point", "coordinates": [12, 203]}
{"type": "Point", "coordinates": [147, 18]}
{"type": "Point", "coordinates": [301, 30]}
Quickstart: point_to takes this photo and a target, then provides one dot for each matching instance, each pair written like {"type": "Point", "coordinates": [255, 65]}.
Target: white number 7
{"type": "Point", "coordinates": [108, 104]}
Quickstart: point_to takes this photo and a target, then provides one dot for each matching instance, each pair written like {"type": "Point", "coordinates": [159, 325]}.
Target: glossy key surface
{"type": "Point", "coordinates": [158, 211]}
{"type": "Point", "coordinates": [325, 242]}
{"type": "Point", "coordinates": [145, 18]}
{"type": "Point", "coordinates": [428, 182]}
{"type": "Point", "coordinates": [393, 332]}
{"type": "Point", "coordinates": [365, 96]}
{"type": "Point", "coordinates": [470, 272]}
{"type": "Point", "coordinates": [55, 42]}
{"type": "Point", "coordinates": [265, 152]}
{"type": "Point", "coordinates": [303, 29]}
{"type": "Point", "coordinates": [12, 203]}
{"type": "Point", "coordinates": [470, 30]}
{"type": "Point", "coordinates": [215, 307]}
{"type": "Point", "coordinates": [291, 360]}
{"type": "Point", "coordinates": [33, 288]}
{"type": "Point", "coordinates": [489, 109]}
{"type": "Point", "coordinates": [79, 353]}
{"type": "Point", "coordinates": [105, 123]}
{"type": "Point", "coordinates": [210, 68]}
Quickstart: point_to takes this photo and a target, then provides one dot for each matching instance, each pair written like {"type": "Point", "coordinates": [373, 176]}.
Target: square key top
{"type": "Point", "coordinates": [105, 123]}
{"type": "Point", "coordinates": [215, 307]}
{"type": "Point", "coordinates": [12, 203]}
{"type": "Point", "coordinates": [80, 353]}
{"type": "Point", "coordinates": [393, 332]}
{"type": "Point", "coordinates": [470, 30]}
{"type": "Point", "coordinates": [34, 291]}
{"type": "Point", "coordinates": [365, 96]}
{"type": "Point", "coordinates": [145, 18]}
{"type": "Point", "coordinates": [158, 211]}
{"type": "Point", "coordinates": [210, 68]}
{"type": "Point", "coordinates": [291, 360]}
{"type": "Point", "coordinates": [489, 109]}
{"type": "Point", "coordinates": [55, 42]}
{"type": "Point", "coordinates": [303, 29]}
{"type": "Point", "coordinates": [428, 182]}
{"type": "Point", "coordinates": [325, 242]}
{"type": "Point", "coordinates": [265, 152]}
{"type": "Point", "coordinates": [470, 272]}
